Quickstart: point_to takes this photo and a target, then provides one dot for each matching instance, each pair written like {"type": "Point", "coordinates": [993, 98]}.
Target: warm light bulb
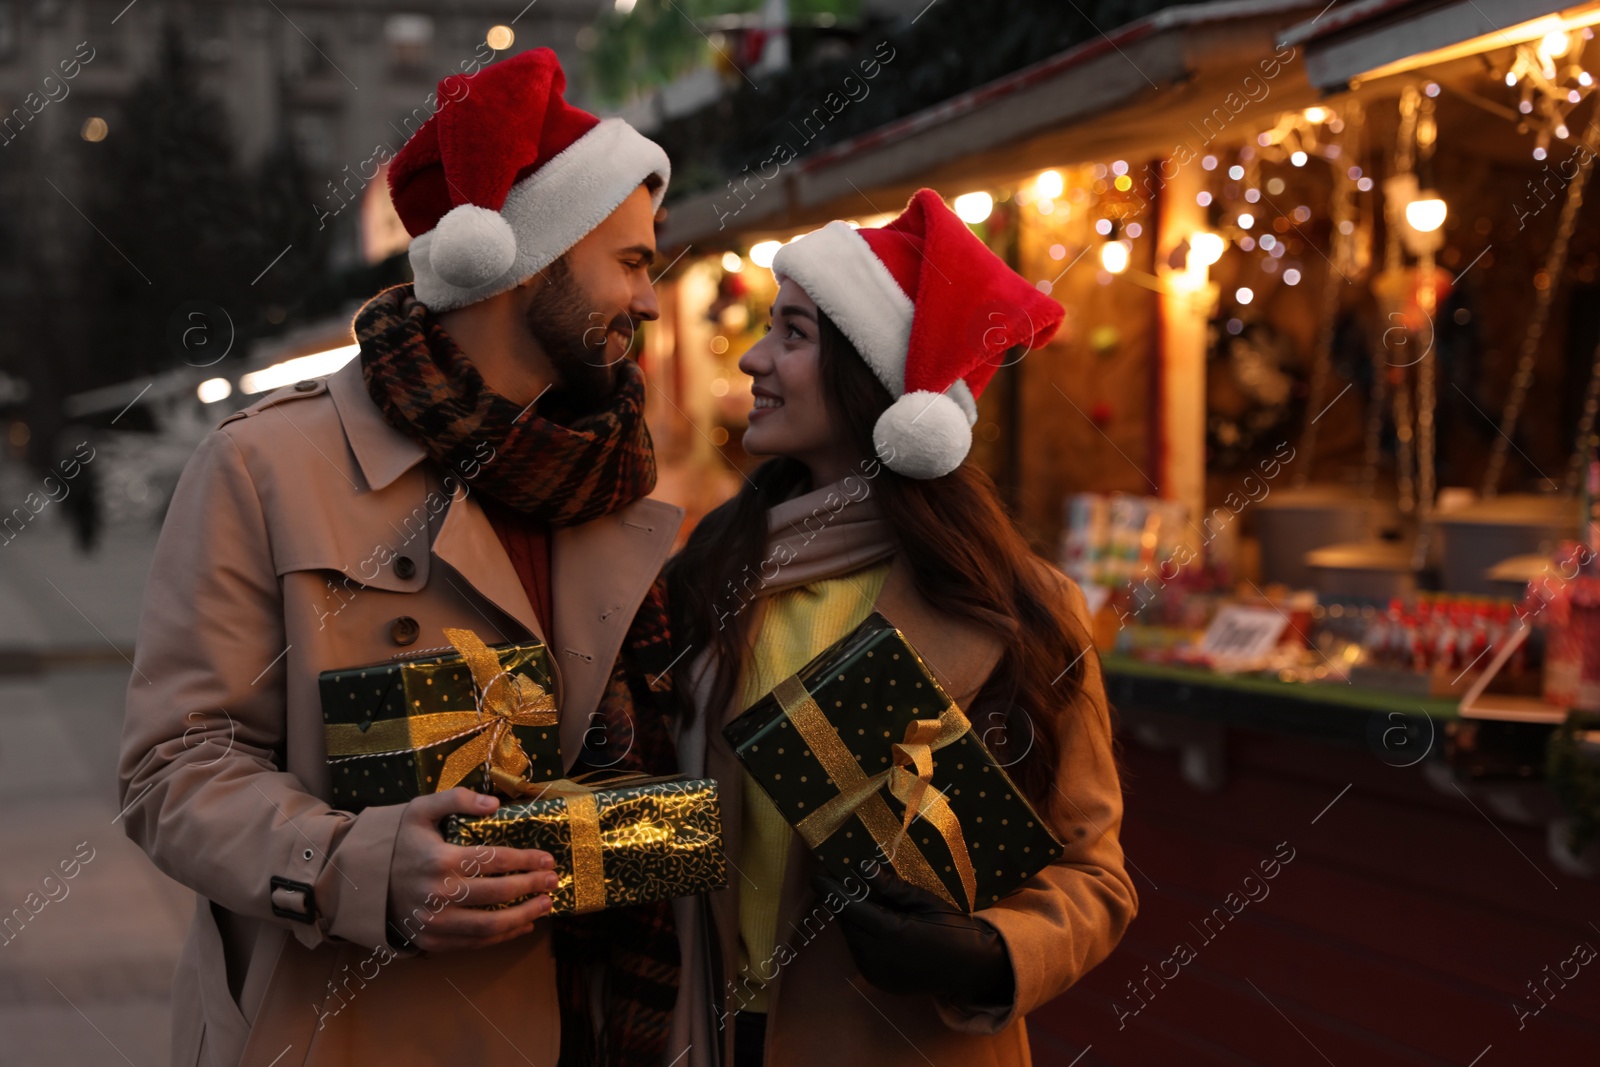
{"type": "Point", "coordinates": [1554, 45]}
{"type": "Point", "coordinates": [973, 208]}
{"type": "Point", "coordinates": [500, 38]}
{"type": "Point", "coordinates": [214, 389]}
{"type": "Point", "coordinates": [761, 252]}
{"type": "Point", "coordinates": [1244, 295]}
{"type": "Point", "coordinates": [732, 263]}
{"type": "Point", "coordinates": [1298, 159]}
{"type": "Point", "coordinates": [1426, 215]}
{"type": "Point", "coordinates": [1205, 249]}
{"type": "Point", "coordinates": [1246, 221]}
{"type": "Point", "coordinates": [1049, 184]}
{"type": "Point", "coordinates": [1114, 256]}
{"type": "Point", "coordinates": [1316, 114]}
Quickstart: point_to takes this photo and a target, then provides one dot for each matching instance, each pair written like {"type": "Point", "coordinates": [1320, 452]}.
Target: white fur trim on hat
{"type": "Point", "coordinates": [549, 211]}
{"type": "Point", "coordinates": [922, 435]}
{"type": "Point", "coordinates": [837, 268]}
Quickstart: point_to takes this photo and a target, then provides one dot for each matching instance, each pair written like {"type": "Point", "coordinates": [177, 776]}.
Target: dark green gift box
{"type": "Point", "coordinates": [391, 726]}
{"type": "Point", "coordinates": [867, 688]}
{"type": "Point", "coordinates": [637, 839]}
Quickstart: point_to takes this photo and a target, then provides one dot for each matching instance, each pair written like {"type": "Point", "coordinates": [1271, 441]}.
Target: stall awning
{"type": "Point", "coordinates": [1347, 44]}
{"type": "Point", "coordinates": [1118, 93]}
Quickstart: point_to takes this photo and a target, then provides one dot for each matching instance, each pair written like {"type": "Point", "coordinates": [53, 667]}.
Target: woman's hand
{"type": "Point", "coordinates": [907, 941]}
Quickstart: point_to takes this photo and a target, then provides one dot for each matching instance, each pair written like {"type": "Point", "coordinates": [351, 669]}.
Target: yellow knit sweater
{"type": "Point", "coordinates": [797, 625]}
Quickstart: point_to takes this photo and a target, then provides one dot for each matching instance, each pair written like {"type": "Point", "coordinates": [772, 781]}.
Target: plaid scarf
{"type": "Point", "coordinates": [564, 473]}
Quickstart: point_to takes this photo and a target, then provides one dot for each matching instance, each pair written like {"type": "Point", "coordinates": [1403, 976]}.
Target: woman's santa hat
{"type": "Point", "coordinates": [508, 176]}
{"type": "Point", "coordinates": [932, 311]}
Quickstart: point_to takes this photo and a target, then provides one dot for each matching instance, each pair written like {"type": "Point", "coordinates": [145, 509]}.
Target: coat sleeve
{"type": "Point", "coordinates": [201, 772]}
{"type": "Point", "coordinates": [1068, 917]}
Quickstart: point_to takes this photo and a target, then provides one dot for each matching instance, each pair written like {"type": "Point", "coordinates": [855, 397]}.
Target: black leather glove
{"type": "Point", "coordinates": [907, 941]}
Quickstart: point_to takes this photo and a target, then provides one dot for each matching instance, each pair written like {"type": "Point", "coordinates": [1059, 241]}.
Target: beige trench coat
{"type": "Point", "coordinates": [307, 534]}
{"type": "Point", "coordinates": [1061, 923]}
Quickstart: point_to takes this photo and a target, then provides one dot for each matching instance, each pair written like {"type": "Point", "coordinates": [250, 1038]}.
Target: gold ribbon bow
{"type": "Point", "coordinates": [909, 779]}
{"type": "Point", "coordinates": [504, 700]}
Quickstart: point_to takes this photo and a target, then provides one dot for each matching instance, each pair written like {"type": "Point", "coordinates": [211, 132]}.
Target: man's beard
{"type": "Point", "coordinates": [564, 322]}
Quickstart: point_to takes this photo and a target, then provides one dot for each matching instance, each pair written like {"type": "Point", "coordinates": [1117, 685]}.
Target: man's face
{"type": "Point", "coordinates": [584, 312]}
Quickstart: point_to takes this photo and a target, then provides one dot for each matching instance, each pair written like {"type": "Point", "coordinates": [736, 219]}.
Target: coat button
{"type": "Point", "coordinates": [404, 630]}
{"type": "Point", "coordinates": [304, 385]}
{"type": "Point", "coordinates": [404, 567]}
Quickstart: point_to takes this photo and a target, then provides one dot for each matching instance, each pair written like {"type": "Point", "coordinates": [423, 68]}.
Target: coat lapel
{"type": "Point", "coordinates": [600, 571]}
{"type": "Point", "coordinates": [468, 543]}
{"type": "Point", "coordinates": [961, 654]}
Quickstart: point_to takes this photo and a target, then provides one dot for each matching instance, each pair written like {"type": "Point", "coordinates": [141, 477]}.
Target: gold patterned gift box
{"type": "Point", "coordinates": [626, 840]}
{"type": "Point", "coordinates": [862, 735]}
{"type": "Point", "coordinates": [474, 716]}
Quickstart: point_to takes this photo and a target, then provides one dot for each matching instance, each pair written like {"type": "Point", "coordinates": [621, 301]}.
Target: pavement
{"type": "Point", "coordinates": [86, 964]}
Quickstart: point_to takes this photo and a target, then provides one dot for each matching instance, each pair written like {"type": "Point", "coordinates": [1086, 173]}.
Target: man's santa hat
{"type": "Point", "coordinates": [932, 311]}
{"type": "Point", "coordinates": [508, 176]}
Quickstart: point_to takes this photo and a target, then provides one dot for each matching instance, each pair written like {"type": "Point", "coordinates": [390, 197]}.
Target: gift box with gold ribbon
{"type": "Point", "coordinates": [468, 715]}
{"type": "Point", "coordinates": [871, 761]}
{"type": "Point", "coordinates": [621, 840]}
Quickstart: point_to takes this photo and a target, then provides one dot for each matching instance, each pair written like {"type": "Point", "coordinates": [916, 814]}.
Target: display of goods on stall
{"type": "Point", "coordinates": [1139, 555]}
{"type": "Point", "coordinates": [1568, 604]}
{"type": "Point", "coordinates": [1438, 644]}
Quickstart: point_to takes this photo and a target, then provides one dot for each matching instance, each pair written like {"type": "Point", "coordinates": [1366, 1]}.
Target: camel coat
{"type": "Point", "coordinates": [307, 534]}
{"type": "Point", "coordinates": [1061, 923]}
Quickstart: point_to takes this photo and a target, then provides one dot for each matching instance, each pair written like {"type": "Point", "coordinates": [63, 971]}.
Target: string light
{"type": "Point", "coordinates": [973, 208]}
{"type": "Point", "coordinates": [1114, 256]}
{"type": "Point", "coordinates": [1205, 249]}
{"type": "Point", "coordinates": [1426, 214]}
{"type": "Point", "coordinates": [761, 252]}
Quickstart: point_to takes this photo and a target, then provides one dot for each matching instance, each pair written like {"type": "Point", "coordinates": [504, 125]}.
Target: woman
{"type": "Point", "coordinates": [864, 396]}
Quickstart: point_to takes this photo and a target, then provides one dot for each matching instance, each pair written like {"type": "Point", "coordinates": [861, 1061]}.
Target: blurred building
{"type": "Point", "coordinates": [346, 79]}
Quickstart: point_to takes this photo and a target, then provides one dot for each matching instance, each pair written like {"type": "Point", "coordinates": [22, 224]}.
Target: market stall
{"type": "Point", "coordinates": [1316, 440]}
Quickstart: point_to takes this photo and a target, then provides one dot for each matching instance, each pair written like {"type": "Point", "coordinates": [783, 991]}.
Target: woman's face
{"type": "Point", "coordinates": [791, 416]}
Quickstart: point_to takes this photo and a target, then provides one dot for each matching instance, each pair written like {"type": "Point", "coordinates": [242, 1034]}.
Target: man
{"type": "Point", "coordinates": [484, 464]}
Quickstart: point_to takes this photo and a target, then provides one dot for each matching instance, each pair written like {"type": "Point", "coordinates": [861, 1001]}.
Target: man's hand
{"type": "Point", "coordinates": [435, 887]}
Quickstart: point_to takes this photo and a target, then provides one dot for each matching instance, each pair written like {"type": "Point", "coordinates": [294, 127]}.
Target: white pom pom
{"type": "Point", "coordinates": [472, 246]}
{"type": "Point", "coordinates": [923, 435]}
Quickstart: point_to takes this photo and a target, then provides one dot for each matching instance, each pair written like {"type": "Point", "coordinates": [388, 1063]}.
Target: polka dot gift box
{"type": "Point", "coordinates": [861, 736]}
{"type": "Point", "coordinates": [468, 715]}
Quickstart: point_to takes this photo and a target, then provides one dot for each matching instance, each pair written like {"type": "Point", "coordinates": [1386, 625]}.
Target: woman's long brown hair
{"type": "Point", "coordinates": [966, 557]}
